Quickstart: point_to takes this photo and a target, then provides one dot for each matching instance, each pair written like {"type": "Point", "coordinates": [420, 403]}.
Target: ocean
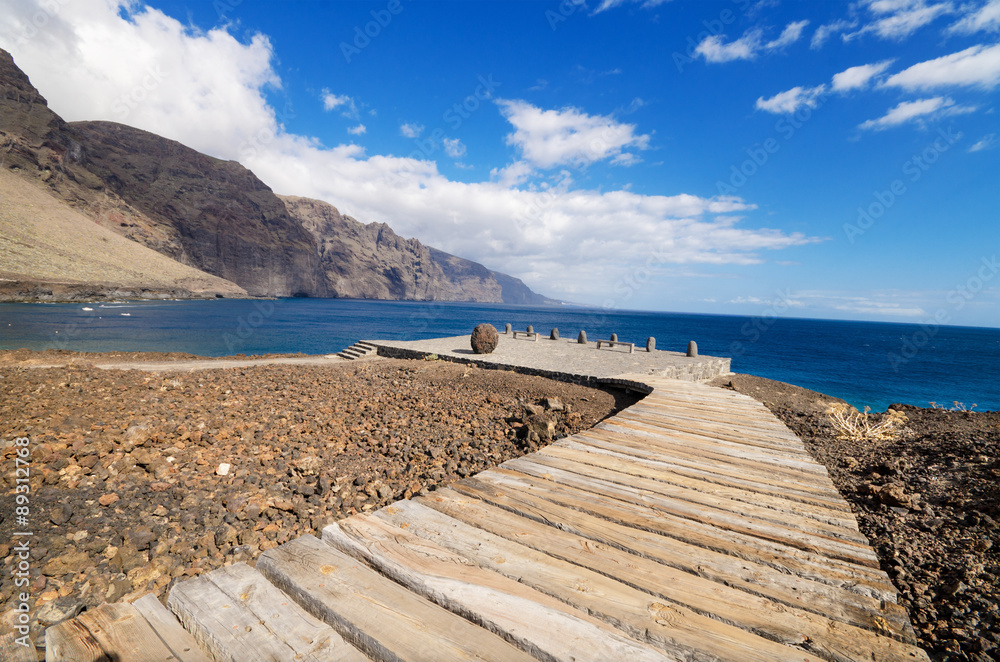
{"type": "Point", "coordinates": [866, 363]}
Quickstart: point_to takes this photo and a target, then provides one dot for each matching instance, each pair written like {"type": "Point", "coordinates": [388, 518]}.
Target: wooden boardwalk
{"type": "Point", "coordinates": [692, 526]}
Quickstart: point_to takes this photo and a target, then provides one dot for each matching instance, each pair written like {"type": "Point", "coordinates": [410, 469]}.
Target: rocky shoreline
{"type": "Point", "coordinates": [929, 503]}
{"type": "Point", "coordinates": [142, 479]}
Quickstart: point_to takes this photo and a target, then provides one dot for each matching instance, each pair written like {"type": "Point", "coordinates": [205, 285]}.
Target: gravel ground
{"type": "Point", "coordinates": [127, 495]}
{"type": "Point", "coordinates": [929, 502]}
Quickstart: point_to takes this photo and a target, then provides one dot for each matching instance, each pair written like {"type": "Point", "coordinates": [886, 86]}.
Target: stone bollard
{"type": "Point", "coordinates": [650, 344]}
{"type": "Point", "coordinates": [692, 348]}
{"type": "Point", "coordinates": [554, 335]}
{"type": "Point", "coordinates": [507, 329]}
{"type": "Point", "coordinates": [614, 337]}
{"type": "Point", "coordinates": [531, 329]}
{"type": "Point", "coordinates": [582, 338]}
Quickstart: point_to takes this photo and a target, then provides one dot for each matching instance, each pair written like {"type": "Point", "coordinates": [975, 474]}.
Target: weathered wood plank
{"type": "Point", "coordinates": [70, 641]}
{"type": "Point", "coordinates": [306, 635]}
{"type": "Point", "coordinates": [583, 491]}
{"type": "Point", "coordinates": [122, 633]}
{"type": "Point", "coordinates": [804, 466]}
{"type": "Point", "coordinates": [15, 652]}
{"type": "Point", "coordinates": [224, 626]}
{"type": "Point", "coordinates": [518, 613]}
{"type": "Point", "coordinates": [679, 448]}
{"type": "Point", "coordinates": [676, 630]}
{"type": "Point", "coordinates": [781, 511]}
{"type": "Point", "coordinates": [169, 630]}
{"type": "Point", "coordinates": [772, 438]}
{"type": "Point", "coordinates": [752, 579]}
{"type": "Point", "coordinates": [668, 466]}
{"type": "Point", "coordinates": [780, 622]}
{"type": "Point", "coordinates": [380, 617]}
{"type": "Point", "coordinates": [623, 443]}
{"type": "Point", "coordinates": [633, 468]}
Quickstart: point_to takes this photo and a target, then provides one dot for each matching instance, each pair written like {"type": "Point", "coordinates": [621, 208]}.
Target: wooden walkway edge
{"type": "Point", "coordinates": [692, 526]}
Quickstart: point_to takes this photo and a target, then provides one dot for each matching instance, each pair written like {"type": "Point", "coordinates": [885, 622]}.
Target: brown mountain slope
{"type": "Point", "coordinates": [48, 250]}
{"type": "Point", "coordinates": [370, 261]}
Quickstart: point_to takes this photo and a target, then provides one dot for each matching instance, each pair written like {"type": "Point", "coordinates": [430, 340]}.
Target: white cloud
{"type": "Point", "coordinates": [989, 141]}
{"type": "Point", "coordinates": [898, 19]}
{"type": "Point", "coordinates": [611, 4]}
{"type": "Point", "coordinates": [921, 109]}
{"type": "Point", "coordinates": [977, 66]}
{"type": "Point", "coordinates": [858, 77]}
{"type": "Point", "coordinates": [347, 106]}
{"type": "Point", "coordinates": [332, 101]}
{"type": "Point", "coordinates": [824, 32]}
{"type": "Point", "coordinates": [454, 148]}
{"type": "Point", "coordinates": [983, 19]}
{"type": "Point", "coordinates": [163, 84]}
{"type": "Point", "coordinates": [548, 138]}
{"type": "Point", "coordinates": [358, 130]}
{"type": "Point", "coordinates": [411, 130]}
{"type": "Point", "coordinates": [789, 35]}
{"type": "Point", "coordinates": [714, 48]}
{"type": "Point", "coordinates": [791, 100]}
{"type": "Point", "coordinates": [567, 242]}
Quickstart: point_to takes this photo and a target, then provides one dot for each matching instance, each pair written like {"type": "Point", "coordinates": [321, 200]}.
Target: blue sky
{"type": "Point", "coordinates": [807, 159]}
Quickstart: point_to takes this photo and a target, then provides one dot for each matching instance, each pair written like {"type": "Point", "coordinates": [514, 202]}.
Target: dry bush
{"type": "Point", "coordinates": [852, 425]}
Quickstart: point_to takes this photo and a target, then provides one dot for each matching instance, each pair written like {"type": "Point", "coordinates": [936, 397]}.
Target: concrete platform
{"type": "Point", "coordinates": [564, 359]}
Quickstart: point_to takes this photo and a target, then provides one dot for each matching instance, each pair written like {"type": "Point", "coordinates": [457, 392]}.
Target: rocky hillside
{"type": "Point", "coordinates": [217, 217]}
{"type": "Point", "coordinates": [373, 262]}
{"type": "Point", "coordinates": [56, 253]}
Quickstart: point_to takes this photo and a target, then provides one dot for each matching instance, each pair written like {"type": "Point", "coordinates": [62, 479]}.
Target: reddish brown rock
{"type": "Point", "coordinates": [484, 339]}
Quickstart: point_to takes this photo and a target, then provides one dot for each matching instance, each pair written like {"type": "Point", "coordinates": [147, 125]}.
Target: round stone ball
{"type": "Point", "coordinates": [484, 339]}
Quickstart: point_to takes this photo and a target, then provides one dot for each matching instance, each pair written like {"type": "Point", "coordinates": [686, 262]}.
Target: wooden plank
{"type": "Point", "coordinates": [122, 633]}
{"type": "Point", "coordinates": [776, 621]}
{"type": "Point", "coordinates": [380, 617]}
{"type": "Point", "coordinates": [537, 623]}
{"type": "Point", "coordinates": [636, 467]}
{"type": "Point", "coordinates": [70, 641]}
{"type": "Point", "coordinates": [15, 652]}
{"type": "Point", "coordinates": [665, 465]}
{"type": "Point", "coordinates": [865, 579]}
{"type": "Point", "coordinates": [623, 443]}
{"type": "Point", "coordinates": [682, 448]}
{"type": "Point", "coordinates": [772, 509]}
{"type": "Point", "coordinates": [672, 628]}
{"type": "Point", "coordinates": [770, 437]}
{"type": "Point", "coordinates": [804, 465]}
{"type": "Point", "coordinates": [755, 579]}
{"type": "Point", "coordinates": [583, 491]}
{"type": "Point", "coordinates": [306, 635]}
{"type": "Point", "coordinates": [169, 630]}
{"type": "Point", "coordinates": [225, 627]}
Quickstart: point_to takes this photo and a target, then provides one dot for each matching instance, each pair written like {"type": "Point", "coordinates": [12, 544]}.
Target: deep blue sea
{"type": "Point", "coordinates": [865, 363]}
